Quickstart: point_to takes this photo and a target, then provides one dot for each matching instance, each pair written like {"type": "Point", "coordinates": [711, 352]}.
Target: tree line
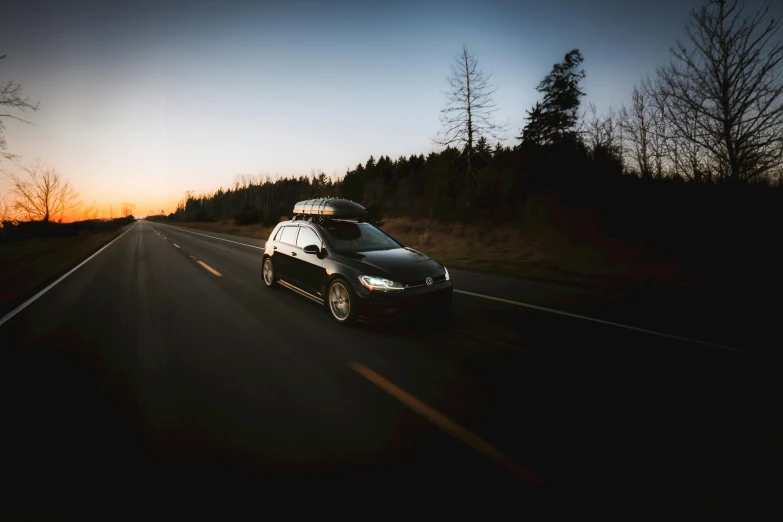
{"type": "Point", "coordinates": [709, 122]}
{"type": "Point", "coordinates": [705, 127]}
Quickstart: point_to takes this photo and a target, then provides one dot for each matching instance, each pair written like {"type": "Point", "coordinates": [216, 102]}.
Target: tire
{"type": "Point", "coordinates": [268, 273]}
{"type": "Point", "coordinates": [340, 302]}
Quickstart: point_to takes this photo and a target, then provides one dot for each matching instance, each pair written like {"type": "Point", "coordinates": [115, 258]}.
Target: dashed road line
{"type": "Point", "coordinates": [455, 430]}
{"type": "Point", "coordinates": [215, 272]}
{"type": "Point", "coordinates": [219, 238]}
{"type": "Point", "coordinates": [528, 305]}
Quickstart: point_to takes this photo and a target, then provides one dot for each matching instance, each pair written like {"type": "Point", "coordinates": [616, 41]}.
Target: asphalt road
{"type": "Point", "coordinates": [163, 372]}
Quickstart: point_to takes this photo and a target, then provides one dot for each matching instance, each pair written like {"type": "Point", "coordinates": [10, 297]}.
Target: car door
{"type": "Point", "coordinates": [285, 245]}
{"type": "Point", "coordinates": [309, 267]}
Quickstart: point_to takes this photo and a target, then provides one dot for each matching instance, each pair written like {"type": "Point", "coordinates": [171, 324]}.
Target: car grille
{"type": "Point", "coordinates": [421, 282]}
{"type": "Point", "coordinates": [401, 306]}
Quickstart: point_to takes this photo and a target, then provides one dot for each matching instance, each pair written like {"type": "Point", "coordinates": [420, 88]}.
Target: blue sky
{"type": "Point", "coordinates": [143, 102]}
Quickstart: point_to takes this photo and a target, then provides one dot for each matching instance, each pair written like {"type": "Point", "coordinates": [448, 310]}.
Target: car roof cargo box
{"type": "Point", "coordinates": [330, 207]}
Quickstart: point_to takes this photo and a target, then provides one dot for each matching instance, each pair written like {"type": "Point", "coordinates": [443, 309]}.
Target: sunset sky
{"type": "Point", "coordinates": [140, 103]}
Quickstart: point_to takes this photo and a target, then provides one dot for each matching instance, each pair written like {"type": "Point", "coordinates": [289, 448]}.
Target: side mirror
{"type": "Point", "coordinates": [312, 249]}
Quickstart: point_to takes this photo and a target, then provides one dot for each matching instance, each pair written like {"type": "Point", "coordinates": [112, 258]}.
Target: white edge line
{"type": "Point", "coordinates": [213, 237]}
{"type": "Point", "coordinates": [610, 323]}
{"type": "Point", "coordinates": [517, 303]}
{"type": "Point", "coordinates": [27, 303]}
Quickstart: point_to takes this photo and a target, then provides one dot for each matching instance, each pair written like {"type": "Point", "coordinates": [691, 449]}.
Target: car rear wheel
{"type": "Point", "coordinates": [341, 300]}
{"type": "Point", "coordinates": [269, 273]}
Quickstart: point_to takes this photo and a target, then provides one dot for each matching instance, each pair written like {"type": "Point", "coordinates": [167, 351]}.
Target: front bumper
{"type": "Point", "coordinates": [408, 304]}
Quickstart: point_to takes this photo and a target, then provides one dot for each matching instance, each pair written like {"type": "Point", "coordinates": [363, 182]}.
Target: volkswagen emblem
{"type": "Point", "coordinates": [428, 281]}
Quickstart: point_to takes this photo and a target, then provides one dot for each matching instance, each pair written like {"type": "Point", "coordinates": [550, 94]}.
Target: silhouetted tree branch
{"type": "Point", "coordinates": [7, 211]}
{"type": "Point", "coordinates": [127, 209]}
{"type": "Point", "coordinates": [469, 110]}
{"type": "Point", "coordinates": [11, 101]}
{"type": "Point", "coordinates": [43, 194]}
{"type": "Point", "coordinates": [603, 133]}
{"type": "Point", "coordinates": [724, 91]}
{"type": "Point", "coordinates": [637, 128]}
{"type": "Point", "coordinates": [90, 212]}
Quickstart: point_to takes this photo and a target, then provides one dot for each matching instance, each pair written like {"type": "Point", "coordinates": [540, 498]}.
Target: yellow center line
{"type": "Point", "coordinates": [176, 245]}
{"type": "Point", "coordinates": [202, 263]}
{"type": "Point", "coordinates": [455, 430]}
{"type": "Point", "coordinates": [193, 257]}
{"type": "Point", "coordinates": [164, 237]}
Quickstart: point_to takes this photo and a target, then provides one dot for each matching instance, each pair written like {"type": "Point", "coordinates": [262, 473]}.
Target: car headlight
{"type": "Point", "coordinates": [447, 273]}
{"type": "Point", "coordinates": [379, 284]}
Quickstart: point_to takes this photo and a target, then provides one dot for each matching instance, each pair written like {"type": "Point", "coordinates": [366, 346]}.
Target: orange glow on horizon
{"type": "Point", "coordinates": [114, 210]}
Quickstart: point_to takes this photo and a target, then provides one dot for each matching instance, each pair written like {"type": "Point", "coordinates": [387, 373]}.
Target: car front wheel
{"type": "Point", "coordinates": [341, 302]}
{"type": "Point", "coordinates": [269, 273]}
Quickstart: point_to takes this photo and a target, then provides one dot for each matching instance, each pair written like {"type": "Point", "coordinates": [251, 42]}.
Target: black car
{"type": "Point", "coordinates": [327, 253]}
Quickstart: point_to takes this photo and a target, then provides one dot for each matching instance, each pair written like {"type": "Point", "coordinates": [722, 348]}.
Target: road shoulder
{"type": "Point", "coordinates": [29, 266]}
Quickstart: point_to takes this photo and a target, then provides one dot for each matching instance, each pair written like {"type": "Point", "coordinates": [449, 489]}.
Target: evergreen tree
{"type": "Point", "coordinates": [554, 119]}
{"type": "Point", "coordinates": [482, 147]}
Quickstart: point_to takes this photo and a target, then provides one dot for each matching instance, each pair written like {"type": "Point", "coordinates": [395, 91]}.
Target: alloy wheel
{"type": "Point", "coordinates": [339, 301]}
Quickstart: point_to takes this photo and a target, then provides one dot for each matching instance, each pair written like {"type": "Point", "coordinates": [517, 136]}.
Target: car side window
{"type": "Point", "coordinates": [307, 237]}
{"type": "Point", "coordinates": [288, 235]}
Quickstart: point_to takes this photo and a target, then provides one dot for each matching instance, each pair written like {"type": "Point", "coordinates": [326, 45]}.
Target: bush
{"type": "Point", "coordinates": [247, 217]}
{"type": "Point", "coordinates": [272, 220]}
{"type": "Point", "coordinates": [375, 213]}
{"type": "Point", "coordinates": [204, 217]}
{"type": "Point", "coordinates": [31, 229]}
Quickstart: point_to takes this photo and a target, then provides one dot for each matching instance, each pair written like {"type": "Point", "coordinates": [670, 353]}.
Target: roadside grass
{"type": "Point", "coordinates": [28, 265]}
{"type": "Point", "coordinates": [535, 252]}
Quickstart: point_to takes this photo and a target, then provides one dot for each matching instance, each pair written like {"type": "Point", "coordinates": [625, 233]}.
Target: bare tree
{"type": "Point", "coordinates": [7, 210]}
{"type": "Point", "coordinates": [689, 159]}
{"type": "Point", "coordinates": [127, 209]}
{"type": "Point", "coordinates": [42, 194]}
{"type": "Point", "coordinates": [469, 111]}
{"type": "Point", "coordinates": [636, 125]}
{"type": "Point", "coordinates": [90, 212]}
{"type": "Point", "coordinates": [602, 132]}
{"type": "Point", "coordinates": [11, 100]}
{"type": "Point", "coordinates": [728, 86]}
{"type": "Point", "coordinates": [776, 177]}
{"type": "Point", "coordinates": [662, 132]}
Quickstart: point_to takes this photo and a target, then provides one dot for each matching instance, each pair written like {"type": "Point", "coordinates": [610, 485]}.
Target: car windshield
{"type": "Point", "coordinates": [357, 237]}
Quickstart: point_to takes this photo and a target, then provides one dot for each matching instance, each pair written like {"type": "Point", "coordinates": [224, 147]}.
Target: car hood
{"type": "Point", "coordinates": [398, 264]}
